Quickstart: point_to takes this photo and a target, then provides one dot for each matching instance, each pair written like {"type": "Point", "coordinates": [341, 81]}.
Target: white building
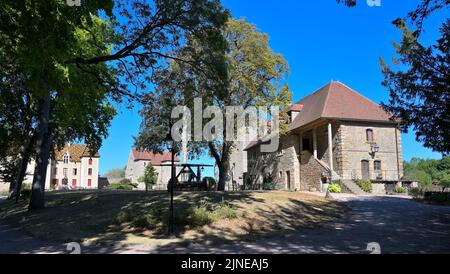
{"type": "Point", "coordinates": [73, 167]}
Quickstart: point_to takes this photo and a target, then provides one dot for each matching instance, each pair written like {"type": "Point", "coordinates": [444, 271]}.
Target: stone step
{"type": "Point", "coordinates": [352, 187]}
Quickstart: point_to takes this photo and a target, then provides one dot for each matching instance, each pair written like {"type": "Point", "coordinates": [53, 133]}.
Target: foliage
{"type": "Point", "coordinates": [419, 94]}
{"type": "Point", "coordinates": [121, 186]}
{"type": "Point", "coordinates": [141, 179]}
{"type": "Point", "coordinates": [25, 192]}
{"type": "Point", "coordinates": [437, 197]}
{"type": "Point", "coordinates": [195, 216]}
{"type": "Point", "coordinates": [365, 185]}
{"type": "Point", "coordinates": [334, 188]}
{"type": "Point", "coordinates": [210, 182]}
{"type": "Point", "coordinates": [115, 173]}
{"type": "Point", "coordinates": [399, 189]}
{"type": "Point", "coordinates": [419, 87]}
{"type": "Point", "coordinates": [246, 73]}
{"type": "Point", "coordinates": [416, 192]}
{"type": "Point", "coordinates": [151, 176]}
{"type": "Point", "coordinates": [428, 171]}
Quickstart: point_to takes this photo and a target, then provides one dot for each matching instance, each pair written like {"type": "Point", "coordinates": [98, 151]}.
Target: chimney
{"type": "Point", "coordinates": [293, 111]}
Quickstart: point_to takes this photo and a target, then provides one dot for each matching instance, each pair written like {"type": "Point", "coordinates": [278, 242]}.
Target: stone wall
{"type": "Point", "coordinates": [355, 148]}
{"type": "Point", "coordinates": [311, 172]}
{"type": "Point", "coordinates": [277, 165]}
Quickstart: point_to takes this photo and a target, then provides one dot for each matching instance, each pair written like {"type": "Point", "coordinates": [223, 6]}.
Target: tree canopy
{"type": "Point", "coordinates": [246, 73]}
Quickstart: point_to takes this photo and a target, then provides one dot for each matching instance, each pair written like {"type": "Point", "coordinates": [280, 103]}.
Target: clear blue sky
{"type": "Point", "coordinates": [322, 41]}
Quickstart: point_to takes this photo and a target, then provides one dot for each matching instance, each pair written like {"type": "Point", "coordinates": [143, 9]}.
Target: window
{"type": "Point", "coordinates": [89, 182]}
{"type": "Point", "coordinates": [90, 171]}
{"type": "Point", "coordinates": [55, 171]}
{"type": "Point", "coordinates": [74, 183]}
{"type": "Point", "coordinates": [65, 172]}
{"type": "Point", "coordinates": [90, 161]}
{"type": "Point", "coordinates": [369, 135]}
{"type": "Point", "coordinates": [66, 159]}
{"type": "Point", "coordinates": [281, 174]}
{"type": "Point", "coordinates": [377, 165]}
{"type": "Point", "coordinates": [74, 171]}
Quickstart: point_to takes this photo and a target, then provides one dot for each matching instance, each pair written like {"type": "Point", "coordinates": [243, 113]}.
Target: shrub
{"type": "Point", "coordinates": [120, 186]}
{"type": "Point", "coordinates": [203, 216]}
{"type": "Point", "coordinates": [437, 197]}
{"type": "Point", "coordinates": [399, 189]}
{"type": "Point", "coordinates": [25, 192]}
{"type": "Point", "coordinates": [365, 185]}
{"type": "Point", "coordinates": [334, 188]}
{"type": "Point", "coordinates": [416, 193]}
{"type": "Point", "coordinates": [210, 183]}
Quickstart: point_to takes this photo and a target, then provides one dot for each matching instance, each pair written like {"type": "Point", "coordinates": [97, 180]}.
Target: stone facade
{"type": "Point", "coordinates": [136, 168]}
{"type": "Point", "coordinates": [349, 148]}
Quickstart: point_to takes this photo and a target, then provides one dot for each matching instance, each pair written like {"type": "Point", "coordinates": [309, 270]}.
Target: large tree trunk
{"type": "Point", "coordinates": [223, 163]}
{"type": "Point", "coordinates": [23, 167]}
{"type": "Point", "coordinates": [224, 170]}
{"type": "Point", "coordinates": [43, 145]}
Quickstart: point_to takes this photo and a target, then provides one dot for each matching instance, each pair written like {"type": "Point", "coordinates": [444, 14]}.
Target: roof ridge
{"type": "Point", "coordinates": [326, 98]}
{"type": "Point", "coordinates": [312, 93]}
{"type": "Point", "coordinates": [359, 94]}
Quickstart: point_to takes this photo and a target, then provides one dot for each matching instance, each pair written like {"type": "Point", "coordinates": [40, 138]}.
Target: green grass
{"type": "Point", "coordinates": [112, 217]}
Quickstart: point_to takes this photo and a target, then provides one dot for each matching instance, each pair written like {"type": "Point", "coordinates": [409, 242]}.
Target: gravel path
{"type": "Point", "coordinates": [398, 225]}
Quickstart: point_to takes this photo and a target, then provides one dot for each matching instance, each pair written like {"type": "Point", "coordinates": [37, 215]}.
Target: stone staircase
{"type": "Point", "coordinates": [352, 187]}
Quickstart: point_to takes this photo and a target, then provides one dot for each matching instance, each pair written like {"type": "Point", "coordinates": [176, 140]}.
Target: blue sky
{"type": "Point", "coordinates": [322, 41]}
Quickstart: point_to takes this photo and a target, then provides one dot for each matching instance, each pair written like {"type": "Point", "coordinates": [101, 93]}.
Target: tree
{"type": "Point", "coordinates": [247, 73]}
{"type": "Point", "coordinates": [420, 94]}
{"type": "Point", "coordinates": [116, 173]}
{"type": "Point", "coordinates": [61, 48]}
{"type": "Point", "coordinates": [419, 88]}
{"type": "Point", "coordinates": [428, 171]}
{"type": "Point", "coordinates": [150, 177]}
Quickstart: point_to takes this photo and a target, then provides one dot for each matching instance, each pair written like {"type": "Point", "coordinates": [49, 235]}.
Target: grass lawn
{"type": "Point", "coordinates": [131, 217]}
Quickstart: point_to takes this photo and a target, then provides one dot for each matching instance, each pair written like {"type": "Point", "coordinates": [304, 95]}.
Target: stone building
{"type": "Point", "coordinates": [336, 134]}
{"type": "Point", "coordinates": [139, 160]}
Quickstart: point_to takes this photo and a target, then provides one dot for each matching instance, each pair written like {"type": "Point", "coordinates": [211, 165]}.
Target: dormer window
{"type": "Point", "coordinates": [66, 159]}
{"type": "Point", "coordinates": [369, 135]}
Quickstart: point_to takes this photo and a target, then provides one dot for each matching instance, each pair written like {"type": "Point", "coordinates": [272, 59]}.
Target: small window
{"type": "Point", "coordinates": [55, 171]}
{"type": "Point", "coordinates": [66, 159]}
{"type": "Point", "coordinates": [90, 171]}
{"type": "Point", "coordinates": [369, 135]}
{"type": "Point", "coordinates": [65, 172]}
{"type": "Point", "coordinates": [90, 161]}
{"type": "Point", "coordinates": [377, 165]}
{"type": "Point", "coordinates": [89, 182]}
{"type": "Point", "coordinates": [281, 174]}
{"type": "Point", "coordinates": [74, 171]}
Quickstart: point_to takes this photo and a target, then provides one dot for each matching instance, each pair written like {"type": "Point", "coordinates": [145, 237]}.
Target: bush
{"type": "Point", "coordinates": [120, 186]}
{"type": "Point", "coordinates": [416, 192]}
{"type": "Point", "coordinates": [437, 197]}
{"type": "Point", "coordinates": [365, 185]}
{"type": "Point", "coordinates": [25, 192]}
{"type": "Point", "coordinates": [399, 189]}
{"type": "Point", "coordinates": [334, 188]}
{"type": "Point", "coordinates": [203, 216]}
{"type": "Point", "coordinates": [210, 183]}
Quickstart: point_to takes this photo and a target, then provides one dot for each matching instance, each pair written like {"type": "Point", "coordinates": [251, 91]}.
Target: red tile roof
{"type": "Point", "coordinates": [154, 158]}
{"type": "Point", "coordinates": [337, 101]}
{"type": "Point", "coordinates": [76, 152]}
